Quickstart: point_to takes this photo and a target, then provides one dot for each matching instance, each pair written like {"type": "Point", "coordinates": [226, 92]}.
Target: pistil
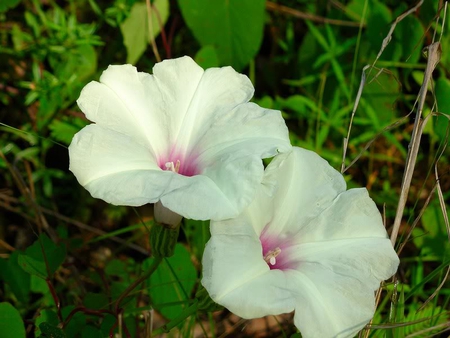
{"type": "Point", "coordinates": [175, 168]}
{"type": "Point", "coordinates": [270, 257]}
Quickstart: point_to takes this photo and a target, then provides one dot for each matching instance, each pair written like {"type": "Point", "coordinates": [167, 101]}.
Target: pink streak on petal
{"type": "Point", "coordinates": [188, 163]}
{"type": "Point", "coordinates": [272, 241]}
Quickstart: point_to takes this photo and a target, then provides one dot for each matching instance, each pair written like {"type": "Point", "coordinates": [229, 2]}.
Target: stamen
{"type": "Point", "coordinates": [175, 168]}
{"type": "Point", "coordinates": [270, 257]}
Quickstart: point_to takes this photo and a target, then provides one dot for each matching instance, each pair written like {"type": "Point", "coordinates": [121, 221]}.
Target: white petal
{"type": "Point", "coordinates": [120, 103]}
{"type": "Point", "coordinates": [177, 82]}
{"type": "Point", "coordinates": [306, 185]}
{"type": "Point", "coordinates": [232, 148]}
{"type": "Point", "coordinates": [113, 167]}
{"type": "Point", "coordinates": [337, 241]}
{"type": "Point", "coordinates": [335, 283]}
{"type": "Point", "coordinates": [236, 275]}
{"type": "Point", "coordinates": [202, 117]}
{"type": "Point", "coordinates": [218, 91]}
{"type": "Point", "coordinates": [197, 197]}
{"type": "Point", "coordinates": [352, 214]}
{"type": "Point", "coordinates": [140, 105]}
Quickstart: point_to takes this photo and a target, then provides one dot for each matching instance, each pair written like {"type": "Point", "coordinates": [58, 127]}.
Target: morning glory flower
{"type": "Point", "coordinates": [305, 244]}
{"type": "Point", "coordinates": [183, 137]}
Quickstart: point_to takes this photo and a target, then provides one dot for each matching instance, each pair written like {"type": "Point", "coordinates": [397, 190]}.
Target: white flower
{"type": "Point", "coordinates": [304, 244]}
{"type": "Point", "coordinates": [183, 136]}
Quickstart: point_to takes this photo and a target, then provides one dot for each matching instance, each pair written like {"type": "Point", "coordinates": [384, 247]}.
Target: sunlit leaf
{"type": "Point", "coordinates": [135, 28]}
{"type": "Point", "coordinates": [233, 27]}
{"type": "Point", "coordinates": [207, 57]}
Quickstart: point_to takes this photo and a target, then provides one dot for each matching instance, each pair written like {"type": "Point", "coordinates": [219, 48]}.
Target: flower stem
{"type": "Point", "coordinates": [174, 322]}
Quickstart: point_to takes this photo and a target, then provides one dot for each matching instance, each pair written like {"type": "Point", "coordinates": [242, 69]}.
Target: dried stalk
{"type": "Point", "coordinates": [434, 55]}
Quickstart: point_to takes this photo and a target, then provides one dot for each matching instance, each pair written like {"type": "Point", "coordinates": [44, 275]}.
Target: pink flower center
{"type": "Point", "coordinates": [179, 163]}
{"type": "Point", "coordinates": [275, 250]}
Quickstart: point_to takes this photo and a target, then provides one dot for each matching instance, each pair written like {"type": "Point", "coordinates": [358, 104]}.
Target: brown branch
{"type": "Point", "coordinates": [274, 7]}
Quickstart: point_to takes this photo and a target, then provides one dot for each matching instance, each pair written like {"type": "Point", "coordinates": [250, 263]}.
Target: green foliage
{"type": "Point", "coordinates": [442, 122]}
{"type": "Point", "coordinates": [170, 287]}
{"type": "Point", "coordinates": [15, 277]}
{"type": "Point", "coordinates": [432, 238]}
{"type": "Point", "coordinates": [135, 29]}
{"type": "Point", "coordinates": [197, 234]}
{"type": "Point", "coordinates": [425, 319]}
{"type": "Point", "coordinates": [48, 330]}
{"type": "Point", "coordinates": [46, 323]}
{"type": "Point", "coordinates": [42, 258]}
{"type": "Point", "coordinates": [8, 4]}
{"type": "Point", "coordinates": [313, 70]}
{"type": "Point", "coordinates": [207, 57]}
{"type": "Point", "coordinates": [234, 28]}
{"type": "Point", "coordinates": [11, 324]}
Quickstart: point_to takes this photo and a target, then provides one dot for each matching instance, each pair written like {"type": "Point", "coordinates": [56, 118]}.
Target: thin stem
{"type": "Point", "coordinates": [150, 31]}
{"type": "Point", "coordinates": [55, 299]}
{"type": "Point", "coordinates": [98, 313]}
{"type": "Point", "coordinates": [434, 54]}
{"type": "Point", "coordinates": [138, 281]}
{"type": "Point", "coordinates": [174, 322]}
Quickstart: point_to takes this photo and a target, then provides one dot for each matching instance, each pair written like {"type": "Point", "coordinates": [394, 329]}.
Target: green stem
{"type": "Point", "coordinates": [174, 322]}
{"type": "Point", "coordinates": [148, 273]}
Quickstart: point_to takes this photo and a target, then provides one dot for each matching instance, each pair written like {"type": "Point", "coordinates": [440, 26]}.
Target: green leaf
{"type": "Point", "coordinates": [197, 234]}
{"type": "Point", "coordinates": [17, 279]}
{"type": "Point", "coordinates": [119, 268]}
{"type": "Point", "coordinates": [135, 28]}
{"type": "Point", "coordinates": [379, 19]}
{"type": "Point", "coordinates": [432, 239]}
{"type": "Point", "coordinates": [233, 27]}
{"type": "Point", "coordinates": [75, 66]}
{"type": "Point", "coordinates": [170, 286]}
{"type": "Point", "coordinates": [76, 323]}
{"type": "Point", "coordinates": [33, 23]}
{"type": "Point", "coordinates": [11, 324]}
{"type": "Point", "coordinates": [109, 321]}
{"type": "Point", "coordinates": [409, 34]}
{"type": "Point", "coordinates": [380, 92]}
{"type": "Point", "coordinates": [427, 318]}
{"type": "Point", "coordinates": [33, 260]}
{"type": "Point", "coordinates": [46, 316]}
{"type": "Point", "coordinates": [443, 101]}
{"type": "Point", "coordinates": [91, 332]}
{"type": "Point", "coordinates": [95, 301]}
{"type": "Point", "coordinates": [207, 57]}
{"type": "Point", "coordinates": [355, 11]}
{"type": "Point", "coordinates": [8, 4]}
{"type": "Point", "coordinates": [52, 331]}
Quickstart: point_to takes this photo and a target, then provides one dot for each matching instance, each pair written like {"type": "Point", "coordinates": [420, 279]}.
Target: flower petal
{"type": "Point", "coordinates": [140, 105]}
{"type": "Point", "coordinates": [113, 167]}
{"type": "Point", "coordinates": [335, 284]}
{"type": "Point", "coordinates": [218, 92]}
{"type": "Point", "coordinates": [237, 277]}
{"type": "Point", "coordinates": [306, 185]}
{"type": "Point", "coordinates": [353, 214]}
{"type": "Point", "coordinates": [335, 238]}
{"type": "Point", "coordinates": [199, 123]}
